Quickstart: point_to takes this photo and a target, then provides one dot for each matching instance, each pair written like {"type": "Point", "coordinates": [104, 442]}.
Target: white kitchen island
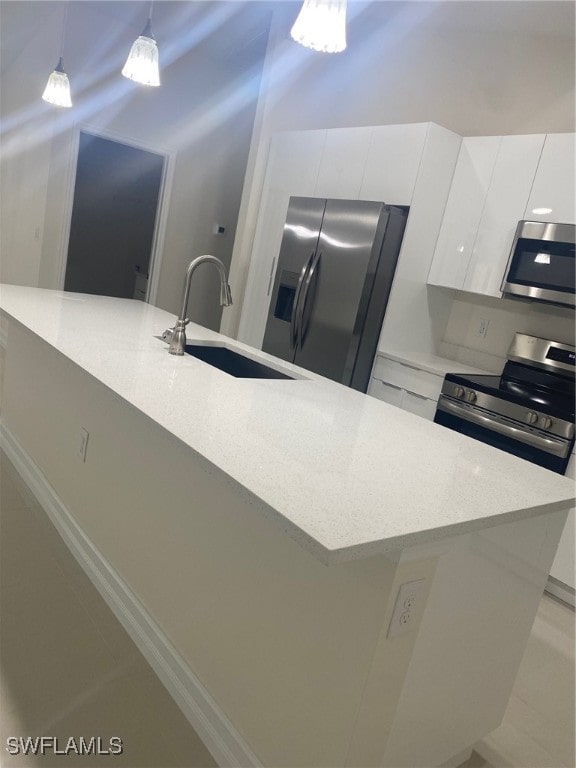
{"type": "Point", "coordinates": [253, 535]}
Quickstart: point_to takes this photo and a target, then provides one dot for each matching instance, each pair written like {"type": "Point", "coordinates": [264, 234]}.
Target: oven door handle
{"type": "Point", "coordinates": [492, 421]}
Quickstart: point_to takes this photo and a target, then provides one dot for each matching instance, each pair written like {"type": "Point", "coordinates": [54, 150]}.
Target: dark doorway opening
{"type": "Point", "coordinates": [114, 214]}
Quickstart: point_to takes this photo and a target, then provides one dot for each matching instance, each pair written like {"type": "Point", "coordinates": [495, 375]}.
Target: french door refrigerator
{"type": "Point", "coordinates": [334, 274]}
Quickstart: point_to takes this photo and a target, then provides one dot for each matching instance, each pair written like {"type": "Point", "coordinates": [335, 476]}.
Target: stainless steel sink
{"type": "Point", "coordinates": [233, 363]}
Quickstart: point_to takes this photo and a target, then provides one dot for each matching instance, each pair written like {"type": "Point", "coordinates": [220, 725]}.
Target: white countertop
{"type": "Point", "coordinates": [425, 361]}
{"type": "Point", "coordinates": [344, 474]}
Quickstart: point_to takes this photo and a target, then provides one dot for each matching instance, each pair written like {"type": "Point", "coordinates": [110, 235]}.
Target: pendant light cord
{"type": "Point", "coordinates": [64, 28]}
{"type": "Point", "coordinates": [147, 32]}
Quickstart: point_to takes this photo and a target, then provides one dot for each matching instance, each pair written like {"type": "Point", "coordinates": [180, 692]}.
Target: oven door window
{"type": "Point", "coordinates": [543, 265]}
{"type": "Point", "coordinates": [508, 444]}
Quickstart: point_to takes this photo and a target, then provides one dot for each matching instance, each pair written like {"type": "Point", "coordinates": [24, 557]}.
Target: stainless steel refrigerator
{"type": "Point", "coordinates": [335, 271]}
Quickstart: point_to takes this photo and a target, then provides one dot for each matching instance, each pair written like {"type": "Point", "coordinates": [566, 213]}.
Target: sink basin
{"type": "Point", "coordinates": [233, 363]}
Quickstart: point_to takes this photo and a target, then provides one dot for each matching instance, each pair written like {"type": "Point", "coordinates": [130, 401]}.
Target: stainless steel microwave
{"type": "Point", "coordinates": [542, 265]}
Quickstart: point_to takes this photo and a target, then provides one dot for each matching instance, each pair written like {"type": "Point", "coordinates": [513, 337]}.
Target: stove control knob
{"type": "Point", "coordinates": [459, 392]}
{"type": "Point", "coordinates": [546, 422]}
{"type": "Point", "coordinates": [471, 396]}
{"type": "Point", "coordinates": [531, 417]}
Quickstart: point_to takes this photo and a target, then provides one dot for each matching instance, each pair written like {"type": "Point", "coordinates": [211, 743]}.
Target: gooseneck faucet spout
{"type": "Point", "coordinates": [177, 335]}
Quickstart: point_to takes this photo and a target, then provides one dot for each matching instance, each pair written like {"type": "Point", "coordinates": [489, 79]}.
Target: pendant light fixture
{"type": "Point", "coordinates": [57, 89]}
{"type": "Point", "coordinates": [142, 62]}
{"type": "Point", "coordinates": [321, 25]}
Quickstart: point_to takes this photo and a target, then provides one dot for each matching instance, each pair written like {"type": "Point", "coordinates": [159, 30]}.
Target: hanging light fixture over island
{"type": "Point", "coordinates": [321, 25]}
{"type": "Point", "coordinates": [57, 89]}
{"type": "Point", "coordinates": [142, 62]}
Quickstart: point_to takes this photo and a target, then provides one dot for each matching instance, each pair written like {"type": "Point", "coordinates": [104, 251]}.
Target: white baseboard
{"type": "Point", "coordinates": [561, 591]}
{"type": "Point", "coordinates": [226, 745]}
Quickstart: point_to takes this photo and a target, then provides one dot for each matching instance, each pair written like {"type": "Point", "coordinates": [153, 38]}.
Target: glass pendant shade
{"type": "Point", "coordinates": [57, 89]}
{"type": "Point", "coordinates": [142, 62]}
{"type": "Point", "coordinates": [321, 25]}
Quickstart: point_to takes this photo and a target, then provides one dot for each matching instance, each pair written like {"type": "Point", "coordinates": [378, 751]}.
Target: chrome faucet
{"type": "Point", "coordinates": [177, 335]}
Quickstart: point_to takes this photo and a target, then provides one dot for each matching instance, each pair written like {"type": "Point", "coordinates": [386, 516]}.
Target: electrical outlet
{"type": "Point", "coordinates": [83, 443]}
{"type": "Point", "coordinates": [405, 618]}
{"type": "Point", "coordinates": [408, 607]}
{"type": "Point", "coordinates": [483, 328]}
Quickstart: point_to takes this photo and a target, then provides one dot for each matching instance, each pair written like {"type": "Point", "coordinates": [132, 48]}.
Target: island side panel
{"type": "Point", "coordinates": [479, 614]}
{"type": "Point", "coordinates": [282, 642]}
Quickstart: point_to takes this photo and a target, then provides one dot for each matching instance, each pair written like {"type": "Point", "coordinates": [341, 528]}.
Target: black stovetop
{"type": "Point", "coordinates": [535, 389]}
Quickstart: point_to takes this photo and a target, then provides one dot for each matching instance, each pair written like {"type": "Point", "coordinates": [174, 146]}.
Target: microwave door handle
{"type": "Point", "coordinates": [469, 413]}
{"type": "Point", "coordinates": [304, 322]}
{"type": "Point", "coordinates": [294, 319]}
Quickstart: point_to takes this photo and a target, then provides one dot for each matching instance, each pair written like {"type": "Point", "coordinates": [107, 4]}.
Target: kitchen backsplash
{"type": "Point", "coordinates": [480, 329]}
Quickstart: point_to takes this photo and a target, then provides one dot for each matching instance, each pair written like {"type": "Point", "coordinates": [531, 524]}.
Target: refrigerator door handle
{"type": "Point", "coordinates": [294, 320]}
{"type": "Point", "coordinates": [304, 321]}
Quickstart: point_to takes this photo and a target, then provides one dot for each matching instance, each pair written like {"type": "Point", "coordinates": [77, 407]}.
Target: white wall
{"type": "Point", "coordinates": [477, 68]}
{"type": "Point", "coordinates": [505, 317]}
{"type": "Point", "coordinates": [201, 116]}
{"type": "Point", "coordinates": [25, 149]}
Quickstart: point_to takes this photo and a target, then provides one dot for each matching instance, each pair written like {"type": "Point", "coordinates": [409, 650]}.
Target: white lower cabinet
{"type": "Point", "coordinates": [418, 404]}
{"type": "Point", "coordinates": [389, 393]}
{"type": "Point", "coordinates": [405, 386]}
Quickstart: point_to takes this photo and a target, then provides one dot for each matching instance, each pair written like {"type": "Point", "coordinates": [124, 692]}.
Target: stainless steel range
{"type": "Point", "coordinates": [527, 411]}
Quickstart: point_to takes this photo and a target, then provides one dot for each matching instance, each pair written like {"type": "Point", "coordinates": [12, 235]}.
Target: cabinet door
{"type": "Point", "coordinates": [394, 155]}
{"type": "Point", "coordinates": [463, 211]}
{"type": "Point", "coordinates": [504, 206]}
{"type": "Point", "coordinates": [418, 404]}
{"type": "Point", "coordinates": [408, 377]}
{"type": "Point", "coordinates": [552, 197]}
{"type": "Point", "coordinates": [343, 162]}
{"type": "Point", "coordinates": [292, 169]}
{"type": "Point", "coordinates": [389, 393]}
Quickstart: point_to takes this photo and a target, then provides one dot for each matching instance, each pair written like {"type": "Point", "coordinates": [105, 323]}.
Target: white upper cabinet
{"type": "Point", "coordinates": [393, 158]}
{"type": "Point", "coordinates": [463, 211]}
{"type": "Point", "coordinates": [342, 163]}
{"type": "Point", "coordinates": [294, 162]}
{"type": "Point", "coordinates": [552, 195]}
{"type": "Point", "coordinates": [504, 206]}
{"type": "Point", "coordinates": [492, 184]}
{"type": "Point", "coordinates": [379, 163]}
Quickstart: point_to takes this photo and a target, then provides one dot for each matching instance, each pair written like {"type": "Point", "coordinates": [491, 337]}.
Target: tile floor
{"type": "Point", "coordinates": [67, 667]}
